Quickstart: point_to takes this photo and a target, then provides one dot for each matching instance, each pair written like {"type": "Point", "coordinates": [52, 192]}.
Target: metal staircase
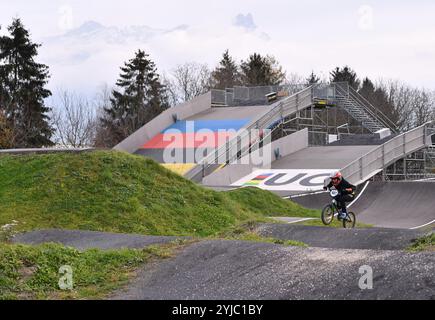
{"type": "Point", "coordinates": [359, 114]}
{"type": "Point", "coordinates": [360, 109]}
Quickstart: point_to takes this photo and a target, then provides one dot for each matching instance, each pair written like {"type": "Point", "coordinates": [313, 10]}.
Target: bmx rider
{"type": "Point", "coordinates": [345, 189]}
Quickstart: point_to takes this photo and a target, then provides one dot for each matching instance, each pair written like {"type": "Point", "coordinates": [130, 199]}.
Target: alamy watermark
{"type": "Point", "coordinates": [366, 19]}
{"type": "Point", "coordinates": [66, 18]}
{"type": "Point", "coordinates": [66, 277]}
{"type": "Point", "coordinates": [366, 280]}
{"type": "Point", "coordinates": [217, 147]}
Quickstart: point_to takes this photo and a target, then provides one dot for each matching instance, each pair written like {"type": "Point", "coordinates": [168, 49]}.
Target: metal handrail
{"type": "Point", "coordinates": [348, 96]}
{"type": "Point", "coordinates": [381, 149]}
{"type": "Point", "coordinates": [377, 113]}
{"type": "Point", "coordinates": [351, 93]}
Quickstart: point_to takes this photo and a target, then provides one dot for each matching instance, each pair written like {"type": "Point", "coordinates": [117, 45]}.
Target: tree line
{"type": "Point", "coordinates": [141, 93]}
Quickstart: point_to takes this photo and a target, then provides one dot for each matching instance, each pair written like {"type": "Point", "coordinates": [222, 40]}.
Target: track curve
{"type": "Point", "coordinates": [408, 205]}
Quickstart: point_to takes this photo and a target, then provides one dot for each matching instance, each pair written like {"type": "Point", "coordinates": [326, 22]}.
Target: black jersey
{"type": "Point", "coordinates": [342, 186]}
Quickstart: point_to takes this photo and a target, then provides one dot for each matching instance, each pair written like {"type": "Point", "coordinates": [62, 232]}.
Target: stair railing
{"type": "Point", "coordinates": [351, 94]}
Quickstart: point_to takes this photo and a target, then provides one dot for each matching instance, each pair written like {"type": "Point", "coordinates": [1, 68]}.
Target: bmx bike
{"type": "Point", "coordinates": [331, 209]}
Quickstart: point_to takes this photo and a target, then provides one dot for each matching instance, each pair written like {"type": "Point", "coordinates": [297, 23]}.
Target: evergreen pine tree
{"type": "Point", "coordinates": [367, 89]}
{"type": "Point", "coordinates": [378, 97]}
{"type": "Point", "coordinates": [346, 74]}
{"type": "Point", "coordinates": [226, 75]}
{"type": "Point", "coordinates": [261, 71]}
{"type": "Point", "coordinates": [22, 89]}
{"type": "Point", "coordinates": [312, 79]}
{"type": "Point", "coordinates": [139, 99]}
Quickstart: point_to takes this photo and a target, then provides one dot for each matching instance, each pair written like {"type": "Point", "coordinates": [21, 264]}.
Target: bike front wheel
{"type": "Point", "coordinates": [349, 221]}
{"type": "Point", "coordinates": [327, 214]}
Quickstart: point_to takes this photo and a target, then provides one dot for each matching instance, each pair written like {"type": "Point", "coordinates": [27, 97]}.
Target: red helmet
{"type": "Point", "coordinates": [336, 177]}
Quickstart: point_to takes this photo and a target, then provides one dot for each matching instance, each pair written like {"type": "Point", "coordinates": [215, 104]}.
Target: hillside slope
{"type": "Point", "coordinates": [120, 192]}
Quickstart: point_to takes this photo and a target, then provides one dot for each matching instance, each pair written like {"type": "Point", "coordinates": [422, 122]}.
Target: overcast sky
{"type": "Point", "coordinates": [383, 38]}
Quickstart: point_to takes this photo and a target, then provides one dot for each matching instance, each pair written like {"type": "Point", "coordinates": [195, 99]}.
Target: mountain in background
{"type": "Point", "coordinates": [85, 57]}
{"type": "Point", "coordinates": [92, 30]}
{"type": "Point", "coordinates": [92, 37]}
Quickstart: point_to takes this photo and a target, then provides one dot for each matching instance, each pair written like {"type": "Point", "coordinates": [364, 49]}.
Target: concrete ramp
{"type": "Point", "coordinates": [188, 140]}
{"type": "Point", "coordinates": [409, 205]}
{"type": "Point", "coordinates": [321, 157]}
{"type": "Point", "coordinates": [340, 238]}
{"type": "Point", "coordinates": [397, 204]}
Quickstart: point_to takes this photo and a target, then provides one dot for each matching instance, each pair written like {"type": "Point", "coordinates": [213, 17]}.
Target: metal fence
{"type": "Point", "coordinates": [324, 91]}
{"type": "Point", "coordinates": [251, 95]}
{"type": "Point", "coordinates": [218, 97]}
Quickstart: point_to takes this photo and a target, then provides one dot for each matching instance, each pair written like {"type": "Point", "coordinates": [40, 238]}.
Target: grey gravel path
{"type": "Point", "coordinates": [340, 238]}
{"type": "Point", "coordinates": [247, 270]}
{"type": "Point", "coordinates": [223, 269]}
{"type": "Point", "coordinates": [90, 239]}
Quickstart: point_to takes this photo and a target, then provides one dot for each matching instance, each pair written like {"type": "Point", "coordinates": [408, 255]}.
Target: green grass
{"type": "Point", "coordinates": [425, 243]}
{"type": "Point", "coordinates": [120, 192]}
{"type": "Point", "coordinates": [252, 236]}
{"type": "Point", "coordinates": [265, 202]}
{"type": "Point", "coordinates": [334, 224]}
{"type": "Point", "coordinates": [32, 272]}
{"type": "Point", "coordinates": [255, 237]}
{"type": "Point", "coordinates": [247, 232]}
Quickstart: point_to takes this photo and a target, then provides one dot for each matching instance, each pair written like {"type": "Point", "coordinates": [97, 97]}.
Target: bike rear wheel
{"type": "Point", "coordinates": [349, 221]}
{"type": "Point", "coordinates": [327, 214]}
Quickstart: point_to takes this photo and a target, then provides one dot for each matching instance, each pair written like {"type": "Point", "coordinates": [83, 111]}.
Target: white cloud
{"type": "Point", "coordinates": [395, 41]}
{"type": "Point", "coordinates": [85, 57]}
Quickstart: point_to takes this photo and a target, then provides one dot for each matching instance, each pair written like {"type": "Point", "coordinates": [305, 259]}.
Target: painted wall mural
{"type": "Point", "coordinates": [286, 179]}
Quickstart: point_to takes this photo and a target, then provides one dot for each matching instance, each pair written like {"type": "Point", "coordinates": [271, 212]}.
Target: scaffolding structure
{"type": "Point", "coordinates": [419, 165]}
{"type": "Point", "coordinates": [321, 123]}
{"type": "Point", "coordinates": [331, 120]}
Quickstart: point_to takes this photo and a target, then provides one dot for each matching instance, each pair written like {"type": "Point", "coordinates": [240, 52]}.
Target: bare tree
{"type": "Point", "coordinates": [413, 106]}
{"type": "Point", "coordinates": [103, 138]}
{"type": "Point", "coordinates": [172, 93]}
{"type": "Point", "coordinates": [6, 132]}
{"type": "Point", "coordinates": [422, 107]}
{"type": "Point", "coordinates": [432, 99]}
{"type": "Point", "coordinates": [400, 97]}
{"type": "Point", "coordinates": [187, 81]}
{"type": "Point", "coordinates": [294, 79]}
{"type": "Point", "coordinates": [74, 120]}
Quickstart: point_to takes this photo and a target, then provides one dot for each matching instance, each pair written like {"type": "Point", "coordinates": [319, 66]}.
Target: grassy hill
{"type": "Point", "coordinates": [120, 192]}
